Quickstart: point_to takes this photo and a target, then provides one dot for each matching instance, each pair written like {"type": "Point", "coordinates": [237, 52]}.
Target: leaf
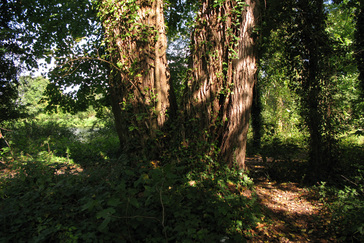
{"type": "Point", "coordinates": [133, 201]}
{"type": "Point", "coordinates": [104, 224]}
{"type": "Point", "coordinates": [89, 205]}
{"type": "Point", "coordinates": [114, 202]}
{"type": "Point", "coordinates": [106, 213]}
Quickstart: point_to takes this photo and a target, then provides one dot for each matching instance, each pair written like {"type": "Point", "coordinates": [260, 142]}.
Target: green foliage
{"type": "Point", "coordinates": [180, 17]}
{"type": "Point", "coordinates": [323, 104]}
{"type": "Point", "coordinates": [31, 94]}
{"type": "Point", "coordinates": [113, 199]}
{"type": "Point", "coordinates": [348, 205]}
{"type": "Point", "coordinates": [10, 53]}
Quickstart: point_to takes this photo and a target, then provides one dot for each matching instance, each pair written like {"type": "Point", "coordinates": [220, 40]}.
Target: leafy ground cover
{"type": "Point", "coordinates": [57, 187]}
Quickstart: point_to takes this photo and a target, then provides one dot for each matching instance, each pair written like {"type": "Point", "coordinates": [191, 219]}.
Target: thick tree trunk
{"type": "Point", "coordinates": [136, 40]}
{"type": "Point", "coordinates": [223, 73]}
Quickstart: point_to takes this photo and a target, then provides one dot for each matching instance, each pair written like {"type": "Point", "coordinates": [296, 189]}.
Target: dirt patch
{"type": "Point", "coordinates": [293, 213]}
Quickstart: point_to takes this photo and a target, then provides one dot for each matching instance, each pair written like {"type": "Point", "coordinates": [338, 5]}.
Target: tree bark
{"type": "Point", "coordinates": [136, 41]}
{"type": "Point", "coordinates": [223, 73]}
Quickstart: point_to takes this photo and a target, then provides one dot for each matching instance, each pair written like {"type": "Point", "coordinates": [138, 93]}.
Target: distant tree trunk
{"type": "Point", "coordinates": [136, 41]}
{"type": "Point", "coordinates": [223, 73]}
{"type": "Point", "coordinates": [359, 44]}
{"type": "Point", "coordinates": [257, 119]}
{"type": "Point", "coordinates": [311, 43]}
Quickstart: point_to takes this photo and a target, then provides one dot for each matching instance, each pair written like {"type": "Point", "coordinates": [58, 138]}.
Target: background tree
{"type": "Point", "coordinates": [10, 54]}
{"type": "Point", "coordinates": [359, 39]}
{"type": "Point", "coordinates": [31, 95]}
{"type": "Point", "coordinates": [341, 26]}
{"type": "Point", "coordinates": [309, 56]}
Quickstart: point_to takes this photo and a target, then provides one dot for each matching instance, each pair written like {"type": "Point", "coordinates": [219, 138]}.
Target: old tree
{"type": "Point", "coordinates": [138, 78]}
{"type": "Point", "coordinates": [118, 49]}
{"type": "Point", "coordinates": [114, 53]}
{"type": "Point", "coordinates": [219, 87]}
{"type": "Point", "coordinates": [219, 91]}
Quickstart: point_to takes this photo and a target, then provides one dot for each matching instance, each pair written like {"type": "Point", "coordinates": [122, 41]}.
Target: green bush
{"type": "Point", "coordinates": [347, 205]}
{"type": "Point", "coordinates": [118, 203]}
{"type": "Point", "coordinates": [116, 198]}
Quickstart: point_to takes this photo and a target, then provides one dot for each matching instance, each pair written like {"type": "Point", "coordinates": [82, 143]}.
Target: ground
{"type": "Point", "coordinates": [294, 213]}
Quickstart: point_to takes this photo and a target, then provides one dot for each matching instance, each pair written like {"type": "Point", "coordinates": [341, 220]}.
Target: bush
{"type": "Point", "coordinates": [116, 198]}
{"type": "Point", "coordinates": [117, 203]}
{"type": "Point", "coordinates": [347, 205]}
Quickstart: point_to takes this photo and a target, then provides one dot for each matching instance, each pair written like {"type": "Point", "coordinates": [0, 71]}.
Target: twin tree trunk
{"type": "Point", "coordinates": [137, 43]}
{"type": "Point", "coordinates": [219, 90]}
{"type": "Point", "coordinates": [223, 73]}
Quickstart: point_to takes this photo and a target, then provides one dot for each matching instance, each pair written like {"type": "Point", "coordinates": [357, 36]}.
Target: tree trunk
{"type": "Point", "coordinates": [313, 71]}
{"type": "Point", "coordinates": [223, 73]}
{"type": "Point", "coordinates": [257, 119]}
{"type": "Point", "coordinates": [359, 44]}
{"type": "Point", "coordinates": [136, 41]}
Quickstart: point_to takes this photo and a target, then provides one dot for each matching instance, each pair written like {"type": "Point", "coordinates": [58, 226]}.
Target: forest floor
{"type": "Point", "coordinates": [294, 213]}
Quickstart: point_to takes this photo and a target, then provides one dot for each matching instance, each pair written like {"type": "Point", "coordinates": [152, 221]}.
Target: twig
{"type": "Point", "coordinates": [134, 217]}
{"type": "Point", "coordinates": [349, 180]}
{"type": "Point", "coordinates": [163, 214]}
{"type": "Point", "coordinates": [5, 129]}
{"type": "Point", "coordinates": [1, 136]}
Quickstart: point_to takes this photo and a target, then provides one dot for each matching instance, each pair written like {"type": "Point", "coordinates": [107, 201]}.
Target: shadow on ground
{"type": "Point", "coordinates": [293, 212]}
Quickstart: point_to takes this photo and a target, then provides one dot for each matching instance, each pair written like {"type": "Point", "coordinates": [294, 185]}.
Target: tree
{"type": "Point", "coordinates": [309, 52]}
{"type": "Point", "coordinates": [10, 51]}
{"type": "Point", "coordinates": [30, 94]}
{"type": "Point", "coordinates": [223, 66]}
{"type": "Point", "coordinates": [341, 26]}
{"type": "Point", "coordinates": [139, 86]}
{"type": "Point", "coordinates": [359, 42]}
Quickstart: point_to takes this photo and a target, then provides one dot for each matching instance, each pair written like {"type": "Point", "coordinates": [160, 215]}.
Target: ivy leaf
{"type": "Point", "coordinates": [102, 227]}
{"type": "Point", "coordinates": [106, 213]}
{"type": "Point", "coordinates": [113, 202]}
{"type": "Point", "coordinates": [133, 201]}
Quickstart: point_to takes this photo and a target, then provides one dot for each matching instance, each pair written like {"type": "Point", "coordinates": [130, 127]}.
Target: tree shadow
{"type": "Point", "coordinates": [294, 210]}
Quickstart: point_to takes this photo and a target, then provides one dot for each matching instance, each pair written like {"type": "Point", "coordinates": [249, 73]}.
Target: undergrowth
{"type": "Point", "coordinates": [344, 194]}
{"type": "Point", "coordinates": [56, 188]}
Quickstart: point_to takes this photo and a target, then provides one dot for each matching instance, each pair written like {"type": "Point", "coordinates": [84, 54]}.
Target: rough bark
{"type": "Point", "coordinates": [136, 41]}
{"type": "Point", "coordinates": [223, 73]}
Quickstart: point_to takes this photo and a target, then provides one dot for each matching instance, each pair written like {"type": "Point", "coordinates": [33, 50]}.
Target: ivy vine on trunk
{"type": "Point", "coordinates": [223, 65]}
{"type": "Point", "coordinates": [136, 41]}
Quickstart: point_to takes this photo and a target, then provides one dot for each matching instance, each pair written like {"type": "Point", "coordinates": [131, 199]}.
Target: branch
{"type": "Point", "coordinates": [1, 136]}
{"type": "Point", "coordinates": [349, 180]}
{"type": "Point", "coordinates": [71, 61]}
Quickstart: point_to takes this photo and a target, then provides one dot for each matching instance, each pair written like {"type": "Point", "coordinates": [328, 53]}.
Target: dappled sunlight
{"type": "Point", "coordinates": [289, 200]}
{"type": "Point", "coordinates": [294, 213]}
